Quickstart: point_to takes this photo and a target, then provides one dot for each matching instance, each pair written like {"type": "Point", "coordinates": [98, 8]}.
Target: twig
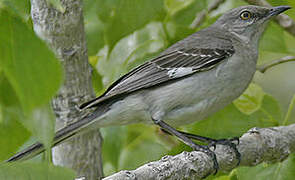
{"type": "Point", "coordinates": [200, 17]}
{"type": "Point", "coordinates": [282, 19]}
{"type": "Point", "coordinates": [256, 146]}
{"type": "Point", "coordinates": [263, 68]}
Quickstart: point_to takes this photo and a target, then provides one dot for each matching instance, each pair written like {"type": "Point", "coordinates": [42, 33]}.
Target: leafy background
{"type": "Point", "coordinates": [120, 35]}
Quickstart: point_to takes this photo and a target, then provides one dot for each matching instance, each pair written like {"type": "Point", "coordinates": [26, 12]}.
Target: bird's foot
{"type": "Point", "coordinates": [210, 153]}
{"type": "Point", "coordinates": [232, 143]}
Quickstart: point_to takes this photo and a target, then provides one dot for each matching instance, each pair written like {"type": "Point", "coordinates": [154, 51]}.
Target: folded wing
{"type": "Point", "coordinates": [170, 66]}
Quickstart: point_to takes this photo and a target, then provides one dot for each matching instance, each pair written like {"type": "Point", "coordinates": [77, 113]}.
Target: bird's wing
{"type": "Point", "coordinates": [170, 66]}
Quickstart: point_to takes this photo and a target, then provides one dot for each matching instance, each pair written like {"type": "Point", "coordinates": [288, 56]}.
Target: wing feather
{"type": "Point", "coordinates": [172, 65]}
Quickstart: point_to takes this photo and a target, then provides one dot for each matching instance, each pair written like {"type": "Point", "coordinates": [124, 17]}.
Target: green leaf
{"type": "Point", "coordinates": [94, 29]}
{"type": "Point", "coordinates": [173, 6]}
{"type": "Point", "coordinates": [290, 41]}
{"type": "Point", "coordinates": [33, 73]}
{"type": "Point", "coordinates": [290, 12]}
{"type": "Point", "coordinates": [131, 51]}
{"type": "Point", "coordinates": [279, 171]}
{"type": "Point", "coordinates": [122, 17]}
{"type": "Point", "coordinates": [8, 97]}
{"type": "Point", "coordinates": [41, 123]}
{"type": "Point", "coordinates": [96, 77]}
{"type": "Point", "coordinates": [273, 39]}
{"type": "Point", "coordinates": [13, 133]}
{"type": "Point", "coordinates": [233, 175]}
{"type": "Point", "coordinates": [128, 147]}
{"type": "Point", "coordinates": [267, 56]}
{"type": "Point", "coordinates": [30, 67]}
{"type": "Point", "coordinates": [141, 147]}
{"type": "Point", "coordinates": [142, 151]}
{"type": "Point", "coordinates": [250, 101]}
{"type": "Point", "coordinates": [222, 178]}
{"type": "Point", "coordinates": [114, 138]}
{"type": "Point", "coordinates": [289, 112]}
{"type": "Point", "coordinates": [272, 110]}
{"type": "Point", "coordinates": [278, 2]}
{"type": "Point", "coordinates": [177, 26]}
{"type": "Point", "coordinates": [97, 82]}
{"type": "Point", "coordinates": [34, 171]}
{"type": "Point", "coordinates": [21, 8]}
{"type": "Point", "coordinates": [1, 115]}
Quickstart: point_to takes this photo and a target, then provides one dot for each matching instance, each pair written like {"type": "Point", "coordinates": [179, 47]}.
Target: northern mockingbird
{"type": "Point", "coordinates": [189, 81]}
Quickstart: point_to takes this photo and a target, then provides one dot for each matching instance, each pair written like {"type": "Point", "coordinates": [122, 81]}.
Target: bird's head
{"type": "Point", "coordinates": [248, 22]}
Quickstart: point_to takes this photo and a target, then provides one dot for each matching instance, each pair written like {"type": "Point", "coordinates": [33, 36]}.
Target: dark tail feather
{"type": "Point", "coordinates": [60, 136]}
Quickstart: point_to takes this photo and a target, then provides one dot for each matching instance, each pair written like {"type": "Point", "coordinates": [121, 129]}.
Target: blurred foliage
{"type": "Point", "coordinates": [278, 171]}
{"type": "Point", "coordinates": [34, 171]}
{"type": "Point", "coordinates": [21, 8]}
{"type": "Point", "coordinates": [251, 100]}
{"type": "Point", "coordinates": [26, 87]}
{"type": "Point", "coordinates": [32, 85]}
{"type": "Point", "coordinates": [122, 34]}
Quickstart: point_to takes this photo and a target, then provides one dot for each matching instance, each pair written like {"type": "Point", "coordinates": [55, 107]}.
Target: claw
{"type": "Point", "coordinates": [235, 139]}
{"type": "Point", "coordinates": [234, 146]}
{"type": "Point", "coordinates": [211, 154]}
{"type": "Point", "coordinates": [215, 163]}
{"type": "Point", "coordinates": [228, 142]}
{"type": "Point", "coordinates": [212, 144]}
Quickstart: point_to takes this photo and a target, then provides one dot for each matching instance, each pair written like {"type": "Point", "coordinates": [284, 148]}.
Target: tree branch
{"type": "Point", "coordinates": [264, 67]}
{"type": "Point", "coordinates": [256, 146]}
{"type": "Point", "coordinates": [201, 16]}
{"type": "Point", "coordinates": [64, 33]}
{"type": "Point", "coordinates": [282, 19]}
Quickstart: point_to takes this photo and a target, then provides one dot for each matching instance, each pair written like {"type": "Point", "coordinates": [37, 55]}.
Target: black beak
{"type": "Point", "coordinates": [277, 10]}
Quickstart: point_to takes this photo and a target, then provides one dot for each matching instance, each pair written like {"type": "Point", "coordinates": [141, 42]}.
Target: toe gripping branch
{"type": "Point", "coordinates": [213, 142]}
{"type": "Point", "coordinates": [187, 139]}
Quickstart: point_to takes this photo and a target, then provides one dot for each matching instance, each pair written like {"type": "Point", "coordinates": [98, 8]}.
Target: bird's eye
{"type": "Point", "coordinates": [245, 15]}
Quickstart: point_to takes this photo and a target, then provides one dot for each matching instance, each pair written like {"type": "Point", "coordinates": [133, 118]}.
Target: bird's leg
{"type": "Point", "coordinates": [188, 142]}
{"type": "Point", "coordinates": [214, 142]}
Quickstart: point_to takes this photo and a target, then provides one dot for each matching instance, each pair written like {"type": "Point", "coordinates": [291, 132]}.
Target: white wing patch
{"type": "Point", "coordinates": [184, 53]}
{"type": "Point", "coordinates": [179, 72]}
{"type": "Point", "coordinates": [194, 54]}
{"type": "Point", "coordinates": [176, 72]}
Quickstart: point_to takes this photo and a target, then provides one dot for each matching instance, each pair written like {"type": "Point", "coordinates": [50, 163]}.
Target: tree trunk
{"type": "Point", "coordinates": [64, 33]}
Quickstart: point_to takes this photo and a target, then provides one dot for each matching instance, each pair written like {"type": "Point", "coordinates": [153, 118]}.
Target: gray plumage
{"type": "Point", "coordinates": [189, 81]}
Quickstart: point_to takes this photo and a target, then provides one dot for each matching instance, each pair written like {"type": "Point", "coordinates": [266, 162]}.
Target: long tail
{"type": "Point", "coordinates": [60, 136]}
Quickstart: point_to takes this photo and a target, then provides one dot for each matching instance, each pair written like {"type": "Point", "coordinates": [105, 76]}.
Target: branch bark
{"type": "Point", "coordinates": [256, 146]}
{"type": "Point", "coordinates": [64, 33]}
{"type": "Point", "coordinates": [282, 19]}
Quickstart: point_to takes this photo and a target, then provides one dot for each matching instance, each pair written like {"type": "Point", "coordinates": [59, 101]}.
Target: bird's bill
{"type": "Point", "coordinates": [277, 10]}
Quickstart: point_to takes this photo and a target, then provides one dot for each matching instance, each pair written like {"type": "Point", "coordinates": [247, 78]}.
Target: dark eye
{"type": "Point", "coordinates": [245, 15]}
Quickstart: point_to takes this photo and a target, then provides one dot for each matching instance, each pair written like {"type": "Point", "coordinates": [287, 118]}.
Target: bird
{"type": "Point", "coordinates": [189, 81]}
